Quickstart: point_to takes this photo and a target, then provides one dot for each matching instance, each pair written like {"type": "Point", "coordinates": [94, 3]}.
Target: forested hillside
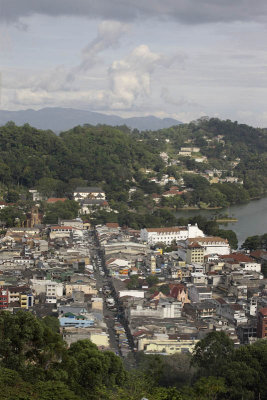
{"type": "Point", "coordinates": [228, 146]}
{"type": "Point", "coordinates": [226, 164]}
{"type": "Point", "coordinates": [96, 154]}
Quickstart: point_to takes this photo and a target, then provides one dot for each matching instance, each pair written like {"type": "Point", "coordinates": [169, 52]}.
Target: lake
{"type": "Point", "coordinates": [252, 218]}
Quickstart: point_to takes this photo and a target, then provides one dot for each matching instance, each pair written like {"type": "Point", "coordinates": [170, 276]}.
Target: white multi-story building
{"type": "Point", "coordinates": [164, 345]}
{"type": "Point", "coordinates": [60, 232]}
{"type": "Point", "coordinates": [165, 309]}
{"type": "Point", "coordinates": [169, 234]}
{"type": "Point", "coordinates": [198, 294]}
{"type": "Point", "coordinates": [53, 290]}
{"type": "Point", "coordinates": [233, 312]}
{"type": "Point", "coordinates": [82, 193]}
{"type": "Point", "coordinates": [211, 245]}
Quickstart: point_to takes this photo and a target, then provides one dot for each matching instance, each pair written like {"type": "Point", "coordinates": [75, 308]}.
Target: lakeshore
{"type": "Point", "coordinates": [251, 218]}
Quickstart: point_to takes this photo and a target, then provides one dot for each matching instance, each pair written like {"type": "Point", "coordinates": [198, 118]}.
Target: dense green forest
{"type": "Point", "coordinates": [102, 155]}
{"type": "Point", "coordinates": [35, 364]}
{"type": "Point", "coordinates": [118, 159]}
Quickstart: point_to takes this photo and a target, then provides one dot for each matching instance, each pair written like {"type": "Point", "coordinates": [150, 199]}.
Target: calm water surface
{"type": "Point", "coordinates": [252, 218]}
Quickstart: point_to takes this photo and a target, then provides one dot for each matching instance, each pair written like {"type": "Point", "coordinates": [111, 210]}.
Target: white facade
{"type": "Point", "coordinates": [212, 245]}
{"type": "Point", "coordinates": [253, 306]}
{"type": "Point", "coordinates": [198, 294]}
{"type": "Point", "coordinates": [50, 288]}
{"type": "Point", "coordinates": [132, 293]}
{"type": "Point", "coordinates": [168, 235]}
{"type": "Point", "coordinates": [60, 232]}
{"type": "Point", "coordinates": [54, 291]}
{"type": "Point", "coordinates": [164, 310]}
{"type": "Point", "coordinates": [234, 313]}
{"type": "Point", "coordinates": [250, 266]}
{"type": "Point", "coordinates": [82, 193]}
{"type": "Point", "coordinates": [166, 346]}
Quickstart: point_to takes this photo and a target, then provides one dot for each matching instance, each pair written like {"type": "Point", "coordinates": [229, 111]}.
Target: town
{"type": "Point", "coordinates": [155, 290]}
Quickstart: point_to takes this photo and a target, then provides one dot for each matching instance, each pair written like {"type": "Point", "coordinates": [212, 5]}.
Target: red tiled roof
{"type": "Point", "coordinates": [236, 307]}
{"type": "Point", "coordinates": [173, 192]}
{"type": "Point", "coordinates": [141, 332]}
{"type": "Point", "coordinates": [194, 245]}
{"type": "Point", "coordinates": [220, 300]}
{"type": "Point", "coordinates": [263, 311]}
{"type": "Point", "coordinates": [166, 229]}
{"type": "Point", "coordinates": [112, 225]}
{"type": "Point", "coordinates": [110, 260]}
{"type": "Point", "coordinates": [175, 289]}
{"type": "Point", "coordinates": [238, 257]}
{"type": "Point", "coordinates": [256, 253]}
{"type": "Point", "coordinates": [56, 199]}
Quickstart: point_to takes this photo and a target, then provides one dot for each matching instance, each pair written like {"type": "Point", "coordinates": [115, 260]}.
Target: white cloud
{"type": "Point", "coordinates": [130, 78]}
{"type": "Point", "coordinates": [128, 83]}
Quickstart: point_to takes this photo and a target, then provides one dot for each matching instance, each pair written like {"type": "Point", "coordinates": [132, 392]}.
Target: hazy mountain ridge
{"type": "Point", "coordinates": [60, 119]}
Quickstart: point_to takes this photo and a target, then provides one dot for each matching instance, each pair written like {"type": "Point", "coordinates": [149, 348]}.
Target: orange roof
{"type": "Point", "coordinates": [194, 245]}
{"type": "Point", "coordinates": [220, 300]}
{"type": "Point", "coordinates": [167, 229]}
{"type": "Point", "coordinates": [238, 257]}
{"type": "Point", "coordinates": [258, 253]}
{"type": "Point", "coordinates": [56, 199]}
{"type": "Point", "coordinates": [263, 311]}
{"type": "Point", "coordinates": [174, 192]}
{"type": "Point", "coordinates": [112, 225]}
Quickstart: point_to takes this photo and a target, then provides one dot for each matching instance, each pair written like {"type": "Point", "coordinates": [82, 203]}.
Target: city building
{"type": "Point", "coordinates": [262, 323]}
{"type": "Point", "coordinates": [169, 234]}
{"type": "Point", "coordinates": [3, 298]}
{"type": "Point", "coordinates": [211, 245]}
{"type": "Point", "coordinates": [195, 253]}
{"type": "Point", "coordinates": [82, 193]}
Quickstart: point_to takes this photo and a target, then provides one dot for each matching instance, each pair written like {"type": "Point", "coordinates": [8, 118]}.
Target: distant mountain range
{"type": "Point", "coordinates": [61, 119]}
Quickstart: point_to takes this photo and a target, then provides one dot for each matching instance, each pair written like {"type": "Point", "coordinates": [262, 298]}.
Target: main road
{"type": "Point", "coordinates": [116, 315]}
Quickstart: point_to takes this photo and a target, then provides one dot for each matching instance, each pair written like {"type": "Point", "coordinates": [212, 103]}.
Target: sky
{"type": "Point", "coordinates": [174, 58]}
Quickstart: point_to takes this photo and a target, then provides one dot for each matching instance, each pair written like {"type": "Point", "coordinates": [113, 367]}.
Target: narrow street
{"type": "Point", "coordinates": [121, 341]}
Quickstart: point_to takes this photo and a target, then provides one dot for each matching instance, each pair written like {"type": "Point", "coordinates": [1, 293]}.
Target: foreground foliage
{"type": "Point", "coordinates": [36, 365]}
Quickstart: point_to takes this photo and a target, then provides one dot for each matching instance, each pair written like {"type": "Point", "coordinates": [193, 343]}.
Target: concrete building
{"type": "Point", "coordinates": [262, 323]}
{"type": "Point", "coordinates": [165, 309]}
{"type": "Point", "coordinates": [52, 289]}
{"type": "Point", "coordinates": [195, 253]}
{"type": "Point", "coordinates": [3, 298]}
{"type": "Point", "coordinates": [234, 313]}
{"type": "Point", "coordinates": [169, 234]}
{"type": "Point", "coordinates": [87, 288]}
{"type": "Point", "coordinates": [198, 294]}
{"type": "Point", "coordinates": [211, 245]}
{"type": "Point", "coordinates": [165, 345]}
{"type": "Point", "coordinates": [81, 193]}
{"type": "Point", "coordinates": [60, 232]}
